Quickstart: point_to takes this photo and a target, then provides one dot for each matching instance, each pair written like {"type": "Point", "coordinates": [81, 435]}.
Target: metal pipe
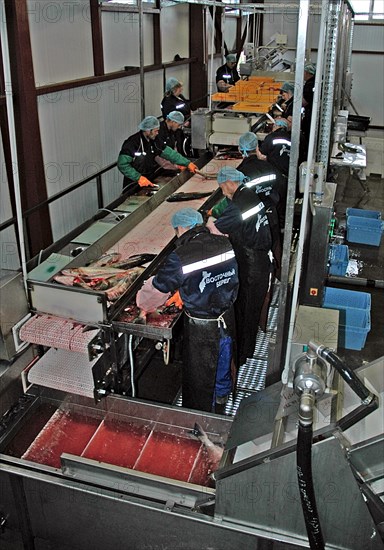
{"type": "Point", "coordinates": [212, 52]}
{"type": "Point", "coordinates": [346, 373]}
{"type": "Point", "coordinates": [357, 281]}
{"type": "Point", "coordinates": [12, 139]}
{"type": "Point", "coordinates": [292, 175]}
{"type": "Point", "coordinates": [141, 58]}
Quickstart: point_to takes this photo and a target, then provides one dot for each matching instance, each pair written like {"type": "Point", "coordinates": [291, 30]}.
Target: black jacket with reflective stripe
{"type": "Point", "coordinates": [203, 267]}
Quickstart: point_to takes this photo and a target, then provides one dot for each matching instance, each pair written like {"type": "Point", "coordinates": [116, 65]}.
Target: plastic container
{"type": "Point", "coordinates": [364, 230]}
{"type": "Point", "coordinates": [338, 257]}
{"type": "Point", "coordinates": [354, 315]}
{"type": "Point", "coordinates": [376, 214]}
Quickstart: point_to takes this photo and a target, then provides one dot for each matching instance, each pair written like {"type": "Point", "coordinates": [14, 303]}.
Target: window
{"type": "Point", "coordinates": [368, 10]}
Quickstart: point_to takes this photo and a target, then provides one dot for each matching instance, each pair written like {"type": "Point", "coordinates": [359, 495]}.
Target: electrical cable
{"type": "Point", "coordinates": [131, 362]}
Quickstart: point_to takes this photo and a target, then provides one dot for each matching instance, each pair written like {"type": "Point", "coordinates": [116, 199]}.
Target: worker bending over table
{"type": "Point", "coordinates": [203, 269]}
{"type": "Point", "coordinates": [137, 158]}
{"type": "Point", "coordinates": [246, 223]}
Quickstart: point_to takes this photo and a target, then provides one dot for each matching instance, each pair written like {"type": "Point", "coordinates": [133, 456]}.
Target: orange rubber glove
{"type": "Point", "coordinates": [175, 300]}
{"type": "Point", "coordinates": [192, 168]}
{"type": "Point", "coordinates": [181, 168]}
{"type": "Point", "coordinates": [144, 182]}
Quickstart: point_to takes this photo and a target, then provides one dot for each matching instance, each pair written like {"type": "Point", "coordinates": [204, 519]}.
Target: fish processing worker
{"type": "Point", "coordinates": [137, 158]}
{"type": "Point", "coordinates": [203, 270]}
{"type": "Point", "coordinates": [227, 75]}
{"type": "Point", "coordinates": [174, 100]}
{"type": "Point", "coordinates": [171, 133]}
{"type": "Point", "coordinates": [276, 147]}
{"type": "Point", "coordinates": [287, 91]}
{"type": "Point", "coordinates": [308, 91]}
{"type": "Point", "coordinates": [246, 223]}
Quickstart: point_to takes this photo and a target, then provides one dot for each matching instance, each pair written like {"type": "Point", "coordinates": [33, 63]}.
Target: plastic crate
{"type": "Point", "coordinates": [354, 315]}
{"type": "Point", "coordinates": [376, 214]}
{"type": "Point", "coordinates": [364, 230]}
{"type": "Point", "coordinates": [338, 257]}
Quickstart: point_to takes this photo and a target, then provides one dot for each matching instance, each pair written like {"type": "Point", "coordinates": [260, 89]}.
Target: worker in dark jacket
{"type": "Point", "coordinates": [287, 91]}
{"type": "Point", "coordinates": [308, 91]}
{"type": "Point", "coordinates": [137, 158]}
{"type": "Point", "coordinates": [245, 221]}
{"type": "Point", "coordinates": [268, 183]}
{"type": "Point", "coordinates": [227, 75]}
{"type": "Point", "coordinates": [276, 147]}
{"type": "Point", "coordinates": [172, 135]}
{"type": "Point", "coordinates": [174, 100]}
{"type": "Point", "coordinates": [203, 269]}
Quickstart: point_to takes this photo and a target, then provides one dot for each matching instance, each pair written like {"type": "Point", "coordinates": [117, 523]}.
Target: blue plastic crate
{"type": "Point", "coordinates": [338, 257]}
{"type": "Point", "coordinates": [354, 315]}
{"type": "Point", "coordinates": [364, 230]}
{"type": "Point", "coordinates": [375, 214]}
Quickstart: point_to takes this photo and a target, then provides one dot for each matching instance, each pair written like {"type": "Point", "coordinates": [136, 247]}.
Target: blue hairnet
{"type": "Point", "coordinates": [149, 123]}
{"type": "Point", "coordinates": [227, 173]}
{"type": "Point", "coordinates": [287, 87]}
{"type": "Point", "coordinates": [310, 68]}
{"type": "Point", "coordinates": [248, 142]}
{"type": "Point", "coordinates": [186, 217]}
{"type": "Point", "coordinates": [172, 83]}
{"type": "Point", "coordinates": [282, 122]}
{"type": "Point", "coordinates": [230, 58]}
{"type": "Point", "coordinates": [176, 116]}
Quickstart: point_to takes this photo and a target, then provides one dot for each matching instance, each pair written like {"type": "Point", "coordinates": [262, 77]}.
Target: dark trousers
{"type": "Point", "coordinates": [200, 356]}
{"type": "Point", "coordinates": [254, 274]}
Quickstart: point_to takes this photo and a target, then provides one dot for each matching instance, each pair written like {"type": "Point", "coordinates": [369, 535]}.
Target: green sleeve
{"type": "Point", "coordinates": [124, 164]}
{"type": "Point", "coordinates": [219, 208]}
{"type": "Point", "coordinates": [174, 157]}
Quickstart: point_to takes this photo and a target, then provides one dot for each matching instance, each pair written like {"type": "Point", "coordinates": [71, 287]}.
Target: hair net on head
{"type": "Point", "coordinates": [186, 217]}
{"type": "Point", "coordinates": [172, 83]}
{"type": "Point", "coordinates": [230, 58]}
{"type": "Point", "coordinates": [310, 68]}
{"type": "Point", "coordinates": [282, 122]}
{"type": "Point", "coordinates": [227, 173]}
{"type": "Point", "coordinates": [248, 142]}
{"type": "Point", "coordinates": [287, 87]}
{"type": "Point", "coordinates": [149, 123]}
{"type": "Point", "coordinates": [176, 116]}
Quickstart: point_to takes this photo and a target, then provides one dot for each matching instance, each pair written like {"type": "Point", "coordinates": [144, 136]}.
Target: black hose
{"type": "Point", "coordinates": [307, 493]}
{"type": "Point", "coordinates": [349, 376]}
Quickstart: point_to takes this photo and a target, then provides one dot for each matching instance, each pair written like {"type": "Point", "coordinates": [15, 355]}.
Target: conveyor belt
{"type": "Point", "coordinates": [154, 232]}
{"type": "Point", "coordinates": [55, 332]}
{"type": "Point", "coordinates": [68, 371]}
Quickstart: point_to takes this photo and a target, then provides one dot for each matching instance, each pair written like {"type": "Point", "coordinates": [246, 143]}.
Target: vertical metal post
{"type": "Point", "coordinates": [278, 355]}
{"type": "Point", "coordinates": [330, 60]}
{"type": "Point", "coordinates": [141, 58]}
{"type": "Point", "coordinates": [99, 188]}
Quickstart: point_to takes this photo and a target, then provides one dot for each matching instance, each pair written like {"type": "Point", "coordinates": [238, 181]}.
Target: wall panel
{"type": "Point", "coordinates": [174, 25]}
{"type": "Point", "coordinates": [61, 40]}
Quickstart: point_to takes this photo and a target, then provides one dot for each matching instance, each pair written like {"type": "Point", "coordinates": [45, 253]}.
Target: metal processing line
{"type": "Point", "coordinates": [79, 444]}
{"type": "Point", "coordinates": [85, 463]}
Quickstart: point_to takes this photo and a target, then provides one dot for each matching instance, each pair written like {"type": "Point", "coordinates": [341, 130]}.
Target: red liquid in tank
{"type": "Point", "coordinates": [117, 443]}
{"type": "Point", "coordinates": [168, 455]}
{"type": "Point", "coordinates": [66, 432]}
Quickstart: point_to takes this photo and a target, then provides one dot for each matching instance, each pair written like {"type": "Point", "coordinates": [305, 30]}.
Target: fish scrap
{"type": "Point", "coordinates": [114, 282]}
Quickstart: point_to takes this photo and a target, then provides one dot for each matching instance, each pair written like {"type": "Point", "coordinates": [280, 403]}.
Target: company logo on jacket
{"type": "Point", "coordinates": [219, 280]}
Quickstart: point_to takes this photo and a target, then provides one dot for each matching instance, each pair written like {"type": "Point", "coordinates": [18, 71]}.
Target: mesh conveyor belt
{"type": "Point", "coordinates": [67, 371]}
